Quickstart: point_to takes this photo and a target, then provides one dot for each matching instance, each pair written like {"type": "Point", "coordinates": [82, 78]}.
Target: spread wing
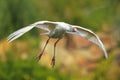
{"type": "Point", "coordinates": [91, 36]}
{"type": "Point", "coordinates": [44, 25]}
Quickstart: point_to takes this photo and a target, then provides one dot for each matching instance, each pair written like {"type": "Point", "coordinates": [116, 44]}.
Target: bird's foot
{"type": "Point", "coordinates": [53, 62]}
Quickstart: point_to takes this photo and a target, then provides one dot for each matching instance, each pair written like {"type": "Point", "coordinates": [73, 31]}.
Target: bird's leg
{"type": "Point", "coordinates": [39, 57]}
{"type": "Point", "coordinates": [53, 58]}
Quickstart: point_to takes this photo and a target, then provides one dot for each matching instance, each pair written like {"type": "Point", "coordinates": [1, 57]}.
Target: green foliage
{"type": "Point", "coordinates": [15, 14]}
{"type": "Point", "coordinates": [18, 69]}
{"type": "Point", "coordinates": [101, 73]}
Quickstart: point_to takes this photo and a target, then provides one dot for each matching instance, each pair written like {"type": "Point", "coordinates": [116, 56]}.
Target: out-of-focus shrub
{"type": "Point", "coordinates": [18, 69]}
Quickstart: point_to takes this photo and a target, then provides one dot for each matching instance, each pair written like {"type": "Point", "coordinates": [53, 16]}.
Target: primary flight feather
{"type": "Point", "coordinates": [57, 30]}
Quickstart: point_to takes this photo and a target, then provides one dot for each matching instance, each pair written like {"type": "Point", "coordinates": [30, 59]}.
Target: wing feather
{"type": "Point", "coordinates": [19, 33]}
{"type": "Point", "coordinates": [44, 25]}
{"type": "Point", "coordinates": [91, 36]}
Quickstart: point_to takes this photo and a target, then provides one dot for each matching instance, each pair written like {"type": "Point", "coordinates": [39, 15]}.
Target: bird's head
{"type": "Point", "coordinates": [74, 29]}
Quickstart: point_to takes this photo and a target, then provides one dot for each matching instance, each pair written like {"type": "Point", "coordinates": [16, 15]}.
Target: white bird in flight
{"type": "Point", "coordinates": [57, 30]}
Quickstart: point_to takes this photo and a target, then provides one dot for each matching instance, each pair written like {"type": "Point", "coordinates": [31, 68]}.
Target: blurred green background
{"type": "Point", "coordinates": [17, 60]}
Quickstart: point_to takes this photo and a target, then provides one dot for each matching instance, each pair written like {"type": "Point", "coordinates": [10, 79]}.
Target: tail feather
{"type": "Point", "coordinates": [19, 33]}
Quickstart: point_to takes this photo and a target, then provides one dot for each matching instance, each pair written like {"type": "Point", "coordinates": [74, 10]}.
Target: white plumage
{"type": "Point", "coordinates": [57, 30]}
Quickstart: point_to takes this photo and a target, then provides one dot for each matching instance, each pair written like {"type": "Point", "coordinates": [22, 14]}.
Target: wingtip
{"type": "Point", "coordinates": [8, 40]}
{"type": "Point", "coordinates": [106, 56]}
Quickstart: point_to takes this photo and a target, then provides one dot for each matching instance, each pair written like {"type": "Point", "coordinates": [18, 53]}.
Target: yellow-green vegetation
{"type": "Point", "coordinates": [18, 59]}
{"type": "Point", "coordinates": [93, 14]}
{"type": "Point", "coordinates": [21, 64]}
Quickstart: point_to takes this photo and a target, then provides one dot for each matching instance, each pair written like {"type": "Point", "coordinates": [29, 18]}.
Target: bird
{"type": "Point", "coordinates": [57, 30]}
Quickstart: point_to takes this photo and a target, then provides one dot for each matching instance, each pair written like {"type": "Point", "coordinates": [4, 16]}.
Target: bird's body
{"type": "Point", "coordinates": [57, 30]}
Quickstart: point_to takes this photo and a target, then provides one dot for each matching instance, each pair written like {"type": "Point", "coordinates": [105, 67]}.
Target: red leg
{"type": "Point", "coordinates": [53, 58]}
{"type": "Point", "coordinates": [39, 57]}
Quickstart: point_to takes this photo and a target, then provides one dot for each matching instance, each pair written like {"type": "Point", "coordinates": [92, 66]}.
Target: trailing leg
{"type": "Point", "coordinates": [53, 58]}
